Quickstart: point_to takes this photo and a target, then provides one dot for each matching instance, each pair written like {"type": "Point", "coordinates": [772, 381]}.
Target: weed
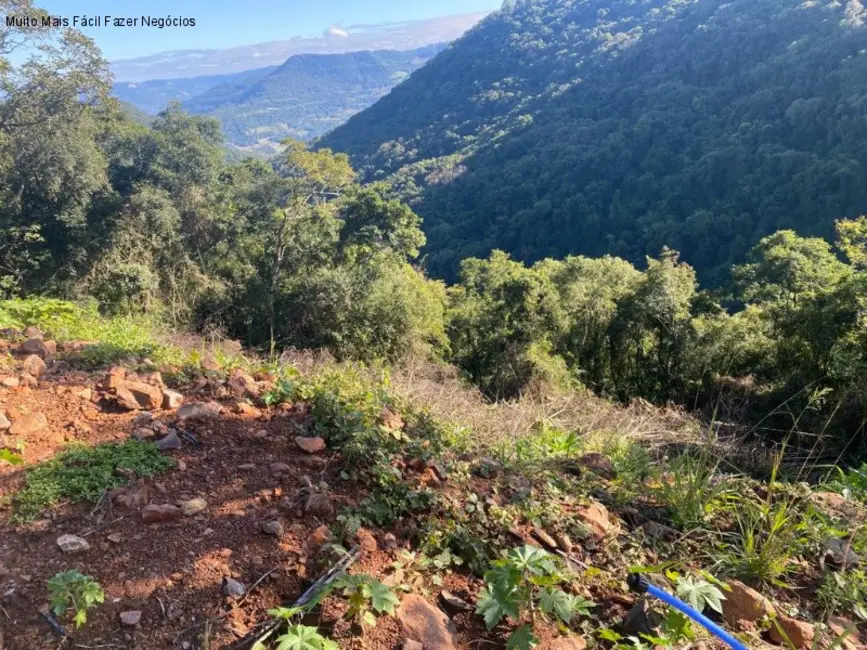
{"type": "Point", "coordinates": [296, 636]}
{"type": "Point", "coordinates": [688, 490]}
{"type": "Point", "coordinates": [366, 596]}
{"type": "Point", "coordinates": [525, 581]}
{"type": "Point", "coordinates": [71, 590]}
{"type": "Point", "coordinates": [845, 590]}
{"type": "Point", "coordinates": [9, 457]}
{"type": "Point", "coordinates": [84, 473]}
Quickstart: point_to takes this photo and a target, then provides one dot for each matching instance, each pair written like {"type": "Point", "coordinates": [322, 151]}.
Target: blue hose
{"type": "Point", "coordinates": [639, 583]}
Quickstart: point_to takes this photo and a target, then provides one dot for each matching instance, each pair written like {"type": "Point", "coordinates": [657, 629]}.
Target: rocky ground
{"type": "Point", "coordinates": [194, 557]}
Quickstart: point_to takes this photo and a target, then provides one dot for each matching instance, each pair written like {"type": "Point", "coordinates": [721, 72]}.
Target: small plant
{"type": "Point", "coordinates": [9, 457]}
{"type": "Point", "coordinates": [699, 594]}
{"type": "Point", "coordinates": [71, 590]}
{"type": "Point", "coordinates": [296, 636]}
{"type": "Point", "coordinates": [366, 595]}
{"type": "Point", "coordinates": [688, 490]}
{"type": "Point", "coordinates": [84, 473]}
{"type": "Point", "coordinates": [525, 582]}
{"type": "Point", "coordinates": [845, 590]}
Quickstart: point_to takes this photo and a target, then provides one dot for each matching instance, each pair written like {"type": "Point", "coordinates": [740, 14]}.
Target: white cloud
{"type": "Point", "coordinates": [336, 31]}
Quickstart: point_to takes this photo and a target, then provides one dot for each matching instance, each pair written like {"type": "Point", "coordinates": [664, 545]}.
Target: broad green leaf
{"type": "Point", "coordinates": [556, 602]}
{"type": "Point", "coordinates": [699, 593]}
{"type": "Point", "coordinates": [522, 639]}
{"type": "Point", "coordinates": [382, 599]}
{"type": "Point", "coordinates": [9, 457]}
{"type": "Point", "coordinates": [301, 637]}
{"type": "Point", "coordinates": [495, 604]}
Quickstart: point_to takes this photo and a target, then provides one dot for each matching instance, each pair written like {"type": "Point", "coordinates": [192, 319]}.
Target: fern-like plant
{"type": "Point", "coordinates": [71, 590]}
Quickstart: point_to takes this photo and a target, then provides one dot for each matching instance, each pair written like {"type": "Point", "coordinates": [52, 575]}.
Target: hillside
{"type": "Point", "coordinates": [152, 96]}
{"type": "Point", "coordinates": [557, 127]}
{"type": "Point", "coordinates": [306, 96]}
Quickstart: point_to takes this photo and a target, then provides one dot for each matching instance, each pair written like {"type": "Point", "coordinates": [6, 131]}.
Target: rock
{"type": "Point", "coordinates": [232, 588]}
{"type": "Point", "coordinates": [320, 537]}
{"type": "Point", "coordinates": [77, 346]}
{"type": "Point", "coordinates": [420, 621]}
{"type": "Point", "coordinates": [130, 619]}
{"type": "Point", "coordinates": [273, 527]}
{"type": "Point", "coordinates": [142, 433]}
{"type": "Point", "coordinates": [565, 643]}
{"type": "Point", "coordinates": [429, 478]}
{"type": "Point", "coordinates": [799, 633]}
{"type": "Point", "coordinates": [245, 408]}
{"type": "Point", "coordinates": [838, 552]}
{"type": "Point", "coordinates": [72, 544]}
{"type": "Point", "coordinates": [391, 419]}
{"type": "Point", "coordinates": [113, 378]}
{"type": "Point", "coordinates": [132, 497]}
{"type": "Point", "coordinates": [488, 468]}
{"type": "Point", "coordinates": [410, 644]}
{"type": "Point", "coordinates": [4, 422]}
{"type": "Point", "coordinates": [454, 602]}
{"type": "Point", "coordinates": [30, 423]}
{"type": "Point", "coordinates": [51, 346]}
{"type": "Point", "coordinates": [28, 380]}
{"type": "Point", "coordinates": [35, 347]}
{"type": "Point", "coordinates": [34, 366]}
{"type": "Point", "coordinates": [160, 514]}
{"type": "Point", "coordinates": [595, 517]}
{"type": "Point", "coordinates": [172, 399]}
{"type": "Point", "coordinates": [171, 441]}
{"type": "Point", "coordinates": [834, 505]}
{"type": "Point", "coordinates": [242, 384]}
{"type": "Point", "coordinates": [310, 445]}
{"type": "Point", "coordinates": [115, 538]}
{"type": "Point", "coordinates": [200, 411]}
{"type": "Point", "coordinates": [638, 620]}
{"type": "Point", "coordinates": [319, 505]}
{"type": "Point", "coordinates": [599, 465]}
{"type": "Point", "coordinates": [85, 394]}
{"type": "Point", "coordinates": [135, 395]}
{"type": "Point", "coordinates": [389, 542]}
{"type": "Point", "coordinates": [366, 540]}
{"type": "Point", "coordinates": [145, 419]}
{"type": "Point", "coordinates": [564, 542]}
{"type": "Point", "coordinates": [33, 332]}
{"type": "Point", "coordinates": [544, 537]}
{"type": "Point", "coordinates": [743, 603]}
{"type": "Point", "coordinates": [247, 466]}
{"type": "Point", "coordinates": [10, 382]}
{"type": "Point", "coordinates": [193, 507]}
{"type": "Point", "coordinates": [279, 469]}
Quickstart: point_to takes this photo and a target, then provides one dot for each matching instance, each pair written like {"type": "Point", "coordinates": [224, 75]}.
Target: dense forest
{"type": "Point", "coordinates": [295, 252]}
{"type": "Point", "coordinates": [560, 127]}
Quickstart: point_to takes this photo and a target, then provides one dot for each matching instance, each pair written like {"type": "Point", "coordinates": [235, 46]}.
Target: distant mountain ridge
{"type": "Point", "coordinates": [308, 95]}
{"type": "Point", "coordinates": [406, 35]}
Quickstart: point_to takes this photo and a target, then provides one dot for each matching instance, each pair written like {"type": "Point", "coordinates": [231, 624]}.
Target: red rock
{"type": "Point", "coordinates": [33, 332]}
{"type": "Point", "coordinates": [147, 396]}
{"type": "Point", "coordinates": [596, 518]}
{"type": "Point", "coordinates": [310, 445]}
{"type": "Point", "coordinates": [320, 536]}
{"type": "Point", "coordinates": [34, 366]}
{"type": "Point", "coordinates": [565, 643]}
{"type": "Point", "coordinates": [200, 411]}
{"type": "Point", "coordinates": [366, 540]}
{"type": "Point", "coordinates": [51, 346]}
{"type": "Point", "coordinates": [158, 514]}
{"type": "Point", "coordinates": [319, 505]}
{"type": "Point", "coordinates": [172, 400]}
{"type": "Point", "coordinates": [798, 632]}
{"type": "Point", "coordinates": [743, 603]}
{"type": "Point", "coordinates": [113, 378]}
{"type": "Point", "coordinates": [132, 497]}
{"type": "Point", "coordinates": [422, 622]}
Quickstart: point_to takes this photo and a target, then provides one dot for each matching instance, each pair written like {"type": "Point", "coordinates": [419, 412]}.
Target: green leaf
{"type": "Point", "coordinates": [9, 457]}
{"type": "Point", "coordinates": [301, 637]}
{"type": "Point", "coordinates": [382, 598]}
{"type": "Point", "coordinates": [607, 634]}
{"type": "Point", "coordinates": [532, 559]}
{"type": "Point", "coordinates": [556, 602]}
{"type": "Point", "coordinates": [699, 593]}
{"type": "Point", "coordinates": [496, 603]}
{"type": "Point", "coordinates": [522, 639]}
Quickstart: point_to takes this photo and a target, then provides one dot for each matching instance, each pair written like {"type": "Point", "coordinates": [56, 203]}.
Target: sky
{"type": "Point", "coordinates": [229, 23]}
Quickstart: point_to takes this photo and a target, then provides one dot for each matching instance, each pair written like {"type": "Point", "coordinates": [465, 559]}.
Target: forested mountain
{"type": "Point", "coordinates": [307, 95]}
{"type": "Point", "coordinates": [153, 95]}
{"type": "Point", "coordinates": [588, 126]}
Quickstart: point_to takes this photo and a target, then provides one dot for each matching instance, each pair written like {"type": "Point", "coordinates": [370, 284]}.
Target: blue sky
{"type": "Point", "coordinates": [227, 23]}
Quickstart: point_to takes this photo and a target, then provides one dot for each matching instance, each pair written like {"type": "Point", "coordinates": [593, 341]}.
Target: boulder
{"type": "Point", "coordinates": [422, 622]}
{"type": "Point", "coordinates": [172, 400]}
{"type": "Point", "coordinates": [30, 423]}
{"type": "Point", "coordinates": [310, 445]}
{"type": "Point", "coordinates": [72, 544]}
{"type": "Point", "coordinates": [596, 518]}
{"type": "Point", "coordinates": [200, 411]}
{"type": "Point", "coordinates": [799, 633]}
{"type": "Point", "coordinates": [242, 384]}
{"type": "Point", "coordinates": [130, 619]}
{"type": "Point", "coordinates": [743, 603]}
{"type": "Point", "coordinates": [34, 366]}
{"type": "Point", "coordinates": [113, 378]}
{"type": "Point", "coordinates": [193, 507]}
{"type": "Point", "coordinates": [159, 514]}
{"type": "Point", "coordinates": [51, 346]}
{"type": "Point", "coordinates": [34, 346]}
{"type": "Point", "coordinates": [134, 395]}
{"type": "Point", "coordinates": [319, 505]}
{"type": "Point", "coordinates": [33, 332]}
